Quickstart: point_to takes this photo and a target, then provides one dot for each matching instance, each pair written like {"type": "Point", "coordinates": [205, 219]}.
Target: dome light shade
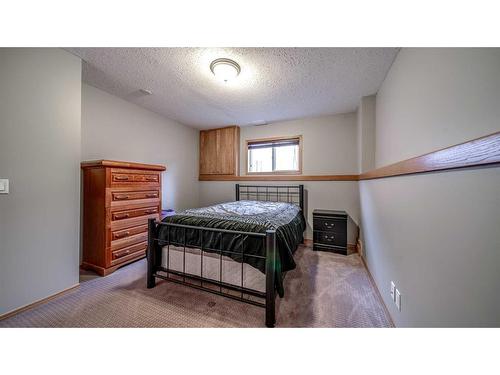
{"type": "Point", "coordinates": [225, 69]}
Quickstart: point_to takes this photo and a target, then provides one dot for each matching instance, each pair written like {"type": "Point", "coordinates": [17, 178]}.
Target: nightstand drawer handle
{"type": "Point", "coordinates": [121, 178]}
{"type": "Point", "coordinates": [122, 216]}
{"type": "Point", "coordinates": [151, 178]}
{"type": "Point", "coordinates": [329, 225]}
{"type": "Point", "coordinates": [122, 197]}
{"type": "Point", "coordinates": [150, 211]}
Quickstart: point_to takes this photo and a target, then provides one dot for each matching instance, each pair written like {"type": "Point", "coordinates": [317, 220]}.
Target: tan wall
{"type": "Point", "coordinates": [366, 133]}
{"type": "Point", "coordinates": [40, 114]}
{"type": "Point", "coordinates": [329, 143]}
{"type": "Point", "coordinates": [436, 235]}
{"type": "Point", "coordinates": [434, 98]}
{"type": "Point", "coordinates": [115, 129]}
{"type": "Point", "coordinates": [329, 147]}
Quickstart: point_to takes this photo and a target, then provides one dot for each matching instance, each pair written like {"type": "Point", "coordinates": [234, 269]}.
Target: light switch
{"type": "Point", "coordinates": [4, 186]}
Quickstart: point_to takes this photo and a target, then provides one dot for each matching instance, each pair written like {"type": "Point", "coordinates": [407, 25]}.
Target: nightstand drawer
{"type": "Point", "coordinates": [328, 224]}
{"type": "Point", "coordinates": [330, 238]}
{"type": "Point", "coordinates": [333, 249]}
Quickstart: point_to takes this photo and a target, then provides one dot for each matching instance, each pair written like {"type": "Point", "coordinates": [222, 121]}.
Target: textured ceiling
{"type": "Point", "coordinates": [274, 84]}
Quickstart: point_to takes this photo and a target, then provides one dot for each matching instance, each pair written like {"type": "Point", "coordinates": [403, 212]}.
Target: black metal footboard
{"type": "Point", "coordinates": [264, 299]}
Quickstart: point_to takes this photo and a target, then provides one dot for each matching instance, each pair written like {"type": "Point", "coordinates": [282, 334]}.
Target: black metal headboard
{"type": "Point", "coordinates": [272, 193]}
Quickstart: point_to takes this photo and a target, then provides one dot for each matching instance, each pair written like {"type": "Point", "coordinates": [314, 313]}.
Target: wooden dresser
{"type": "Point", "coordinates": [118, 199]}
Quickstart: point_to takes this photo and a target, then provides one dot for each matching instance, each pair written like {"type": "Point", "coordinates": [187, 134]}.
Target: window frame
{"type": "Point", "coordinates": [281, 172]}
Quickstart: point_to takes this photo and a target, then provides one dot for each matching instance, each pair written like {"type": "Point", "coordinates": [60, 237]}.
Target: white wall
{"type": "Point", "coordinates": [436, 235]}
{"type": "Point", "coordinates": [115, 129]}
{"type": "Point", "coordinates": [40, 111]}
{"type": "Point", "coordinates": [329, 147]}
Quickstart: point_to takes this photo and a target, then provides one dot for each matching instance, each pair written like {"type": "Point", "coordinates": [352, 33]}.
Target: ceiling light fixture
{"type": "Point", "coordinates": [225, 69]}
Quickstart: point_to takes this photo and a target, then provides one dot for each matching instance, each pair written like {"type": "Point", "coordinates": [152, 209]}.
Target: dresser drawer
{"type": "Point", "coordinates": [330, 238]}
{"type": "Point", "coordinates": [136, 212]}
{"type": "Point", "coordinates": [128, 241]}
{"type": "Point", "coordinates": [127, 253]}
{"type": "Point", "coordinates": [328, 224]}
{"type": "Point", "coordinates": [127, 196]}
{"type": "Point", "coordinates": [133, 177]}
{"type": "Point", "coordinates": [124, 224]}
{"type": "Point", "coordinates": [125, 233]}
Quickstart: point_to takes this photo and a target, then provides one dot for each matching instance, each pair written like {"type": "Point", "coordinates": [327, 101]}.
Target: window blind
{"type": "Point", "coordinates": [276, 143]}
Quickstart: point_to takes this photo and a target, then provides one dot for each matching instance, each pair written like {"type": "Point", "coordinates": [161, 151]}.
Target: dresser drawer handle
{"type": "Point", "coordinates": [126, 252]}
{"type": "Point", "coordinates": [331, 238]}
{"type": "Point", "coordinates": [122, 197]}
{"type": "Point", "coordinates": [151, 195]}
{"type": "Point", "coordinates": [121, 216]}
{"type": "Point", "coordinates": [122, 235]}
{"type": "Point", "coordinates": [121, 178]}
{"type": "Point", "coordinates": [150, 211]}
{"type": "Point", "coordinates": [329, 225]}
{"type": "Point", "coordinates": [151, 178]}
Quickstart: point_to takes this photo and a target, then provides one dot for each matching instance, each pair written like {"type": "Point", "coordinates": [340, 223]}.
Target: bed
{"type": "Point", "coordinates": [240, 249]}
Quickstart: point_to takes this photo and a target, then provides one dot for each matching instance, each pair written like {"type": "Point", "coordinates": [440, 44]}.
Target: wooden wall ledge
{"type": "Point", "coordinates": [482, 151]}
{"type": "Point", "coordinates": [478, 152]}
{"type": "Point", "coordinates": [339, 177]}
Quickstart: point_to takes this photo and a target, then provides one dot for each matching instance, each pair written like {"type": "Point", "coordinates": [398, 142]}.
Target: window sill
{"type": "Point", "coordinates": [281, 173]}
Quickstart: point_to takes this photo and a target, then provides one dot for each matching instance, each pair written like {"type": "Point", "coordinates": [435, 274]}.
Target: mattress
{"type": "Point", "coordinates": [232, 272]}
{"type": "Point", "coordinates": [245, 216]}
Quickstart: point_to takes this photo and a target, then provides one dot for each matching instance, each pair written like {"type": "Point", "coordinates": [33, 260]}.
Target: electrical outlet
{"type": "Point", "coordinates": [398, 300]}
{"type": "Point", "coordinates": [393, 288]}
{"type": "Point", "coordinates": [4, 186]}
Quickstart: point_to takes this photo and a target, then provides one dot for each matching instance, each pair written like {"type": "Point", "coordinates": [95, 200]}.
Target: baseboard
{"type": "Point", "coordinates": [359, 248]}
{"type": "Point", "coordinates": [351, 248]}
{"type": "Point", "coordinates": [37, 303]}
{"type": "Point", "coordinates": [372, 280]}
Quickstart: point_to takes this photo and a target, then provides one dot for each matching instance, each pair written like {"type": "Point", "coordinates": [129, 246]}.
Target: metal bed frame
{"type": "Point", "coordinates": [277, 193]}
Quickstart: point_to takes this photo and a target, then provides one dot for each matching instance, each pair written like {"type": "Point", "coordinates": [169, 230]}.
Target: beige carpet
{"type": "Point", "coordinates": [326, 290]}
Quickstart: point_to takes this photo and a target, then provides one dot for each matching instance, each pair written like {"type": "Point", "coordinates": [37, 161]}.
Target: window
{"type": "Point", "coordinates": [277, 156]}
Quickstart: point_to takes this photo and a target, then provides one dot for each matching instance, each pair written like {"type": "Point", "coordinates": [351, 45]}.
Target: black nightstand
{"type": "Point", "coordinates": [334, 231]}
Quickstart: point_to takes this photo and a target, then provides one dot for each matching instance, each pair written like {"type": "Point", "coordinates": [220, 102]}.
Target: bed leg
{"type": "Point", "coordinates": [151, 282]}
{"type": "Point", "coordinates": [270, 278]}
{"type": "Point", "coordinates": [301, 198]}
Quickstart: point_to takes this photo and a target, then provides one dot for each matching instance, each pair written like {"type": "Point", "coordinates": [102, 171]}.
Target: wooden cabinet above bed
{"type": "Point", "coordinates": [219, 151]}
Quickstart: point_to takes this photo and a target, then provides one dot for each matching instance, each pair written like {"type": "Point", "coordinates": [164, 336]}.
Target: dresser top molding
{"type": "Point", "coordinates": [121, 164]}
